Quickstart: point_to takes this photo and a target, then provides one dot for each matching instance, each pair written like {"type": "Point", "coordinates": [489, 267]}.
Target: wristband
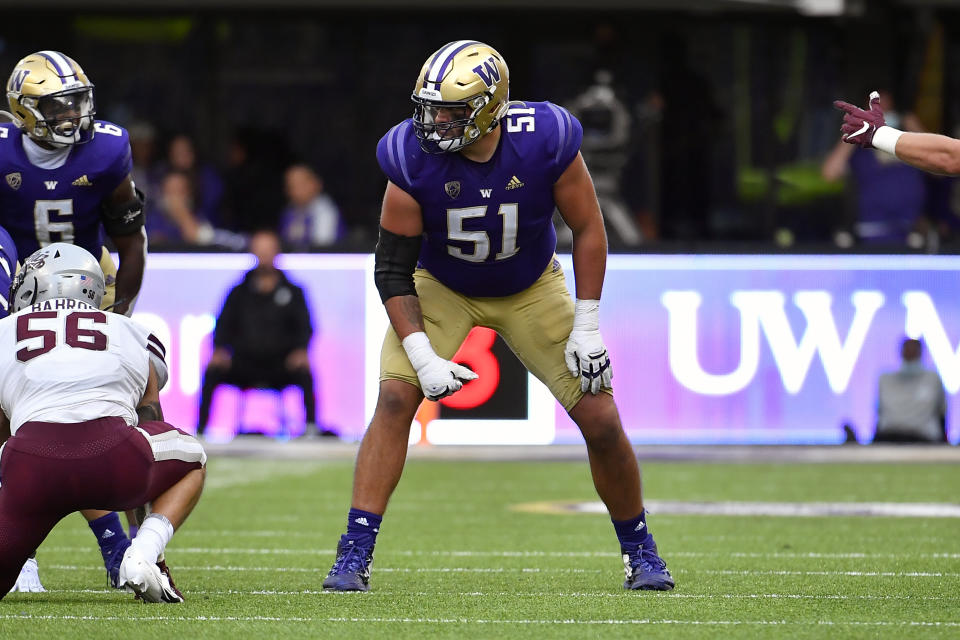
{"type": "Point", "coordinates": [885, 138]}
{"type": "Point", "coordinates": [419, 351]}
{"type": "Point", "coordinates": [586, 315]}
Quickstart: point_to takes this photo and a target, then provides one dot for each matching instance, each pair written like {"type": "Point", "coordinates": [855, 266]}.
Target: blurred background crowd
{"type": "Point", "coordinates": [708, 125]}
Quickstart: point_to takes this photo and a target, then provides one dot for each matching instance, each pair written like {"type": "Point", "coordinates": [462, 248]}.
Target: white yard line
{"type": "Point", "coordinates": [766, 509]}
{"type": "Point", "coordinates": [533, 554]}
{"type": "Point", "coordinates": [538, 594]}
{"type": "Point", "coordinates": [564, 622]}
{"type": "Point", "coordinates": [746, 572]}
{"type": "Point", "coordinates": [318, 452]}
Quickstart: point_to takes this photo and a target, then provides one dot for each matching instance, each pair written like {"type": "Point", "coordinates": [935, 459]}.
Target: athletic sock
{"type": "Point", "coordinates": [152, 538]}
{"type": "Point", "coordinates": [109, 533]}
{"type": "Point", "coordinates": [633, 531]}
{"type": "Point", "coordinates": [363, 526]}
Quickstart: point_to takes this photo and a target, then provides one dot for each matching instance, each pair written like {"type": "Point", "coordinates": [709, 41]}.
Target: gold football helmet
{"type": "Point", "coordinates": [51, 99]}
{"type": "Point", "coordinates": [461, 93]}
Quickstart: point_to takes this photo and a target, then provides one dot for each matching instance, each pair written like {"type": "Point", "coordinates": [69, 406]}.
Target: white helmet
{"type": "Point", "coordinates": [58, 270]}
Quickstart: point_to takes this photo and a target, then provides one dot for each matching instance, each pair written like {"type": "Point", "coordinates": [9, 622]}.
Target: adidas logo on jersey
{"type": "Point", "coordinates": [514, 183]}
{"type": "Point", "coordinates": [82, 181]}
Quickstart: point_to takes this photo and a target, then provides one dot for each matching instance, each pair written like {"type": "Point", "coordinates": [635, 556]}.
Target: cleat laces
{"type": "Point", "coordinates": [645, 559]}
{"type": "Point", "coordinates": [351, 559]}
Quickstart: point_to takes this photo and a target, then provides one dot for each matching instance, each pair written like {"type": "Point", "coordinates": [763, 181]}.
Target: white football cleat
{"type": "Point", "coordinates": [29, 579]}
{"type": "Point", "coordinates": [140, 577]}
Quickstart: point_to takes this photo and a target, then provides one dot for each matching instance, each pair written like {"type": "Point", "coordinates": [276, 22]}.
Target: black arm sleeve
{"type": "Point", "coordinates": [123, 219]}
{"type": "Point", "coordinates": [395, 259]}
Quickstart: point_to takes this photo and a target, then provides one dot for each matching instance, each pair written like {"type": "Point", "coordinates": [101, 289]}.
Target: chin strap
{"type": "Point", "coordinates": [502, 111]}
{"type": "Point", "coordinates": [115, 304]}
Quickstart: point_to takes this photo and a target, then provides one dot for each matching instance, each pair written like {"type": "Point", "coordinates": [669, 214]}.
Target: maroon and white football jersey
{"type": "Point", "coordinates": [65, 361]}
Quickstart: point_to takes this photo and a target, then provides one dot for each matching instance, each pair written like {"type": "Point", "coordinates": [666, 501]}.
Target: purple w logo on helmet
{"type": "Point", "coordinates": [488, 71]}
{"type": "Point", "coordinates": [19, 78]}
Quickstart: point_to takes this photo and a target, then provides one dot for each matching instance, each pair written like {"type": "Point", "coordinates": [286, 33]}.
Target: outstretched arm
{"type": "Point", "coordinates": [930, 152]}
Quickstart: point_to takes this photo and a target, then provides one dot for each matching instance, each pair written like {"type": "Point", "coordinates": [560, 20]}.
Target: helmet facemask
{"type": "Point", "coordinates": [63, 119]}
{"type": "Point", "coordinates": [457, 127]}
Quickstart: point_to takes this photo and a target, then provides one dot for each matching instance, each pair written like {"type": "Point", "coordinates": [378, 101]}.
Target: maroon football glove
{"type": "Point", "coordinates": [859, 125]}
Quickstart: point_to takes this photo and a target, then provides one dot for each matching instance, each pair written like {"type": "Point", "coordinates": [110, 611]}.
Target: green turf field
{"type": "Point", "coordinates": [456, 559]}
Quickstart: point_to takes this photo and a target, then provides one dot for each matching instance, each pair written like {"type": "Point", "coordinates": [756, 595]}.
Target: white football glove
{"type": "Point", "coordinates": [585, 353]}
{"type": "Point", "coordinates": [29, 579]}
{"type": "Point", "coordinates": [439, 378]}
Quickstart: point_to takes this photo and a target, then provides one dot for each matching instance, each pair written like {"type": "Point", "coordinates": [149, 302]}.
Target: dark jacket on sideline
{"type": "Point", "coordinates": [260, 326]}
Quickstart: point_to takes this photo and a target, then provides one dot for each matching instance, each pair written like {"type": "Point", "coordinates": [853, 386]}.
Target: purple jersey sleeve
{"type": "Point", "coordinates": [395, 157]}
{"type": "Point", "coordinates": [120, 156]}
{"type": "Point", "coordinates": [8, 267]}
{"type": "Point", "coordinates": [564, 142]}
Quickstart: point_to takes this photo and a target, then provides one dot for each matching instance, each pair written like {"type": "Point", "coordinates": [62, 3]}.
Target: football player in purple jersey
{"type": "Point", "coordinates": [867, 128]}
{"type": "Point", "coordinates": [466, 239]}
{"type": "Point", "coordinates": [65, 176]}
{"type": "Point", "coordinates": [8, 266]}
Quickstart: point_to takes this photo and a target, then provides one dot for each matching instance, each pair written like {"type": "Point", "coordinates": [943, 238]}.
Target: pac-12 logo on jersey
{"type": "Point", "coordinates": [452, 188]}
{"type": "Point", "coordinates": [14, 180]}
{"type": "Point", "coordinates": [488, 71]}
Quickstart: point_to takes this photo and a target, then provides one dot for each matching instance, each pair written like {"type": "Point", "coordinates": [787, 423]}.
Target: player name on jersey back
{"type": "Point", "coordinates": [59, 304]}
